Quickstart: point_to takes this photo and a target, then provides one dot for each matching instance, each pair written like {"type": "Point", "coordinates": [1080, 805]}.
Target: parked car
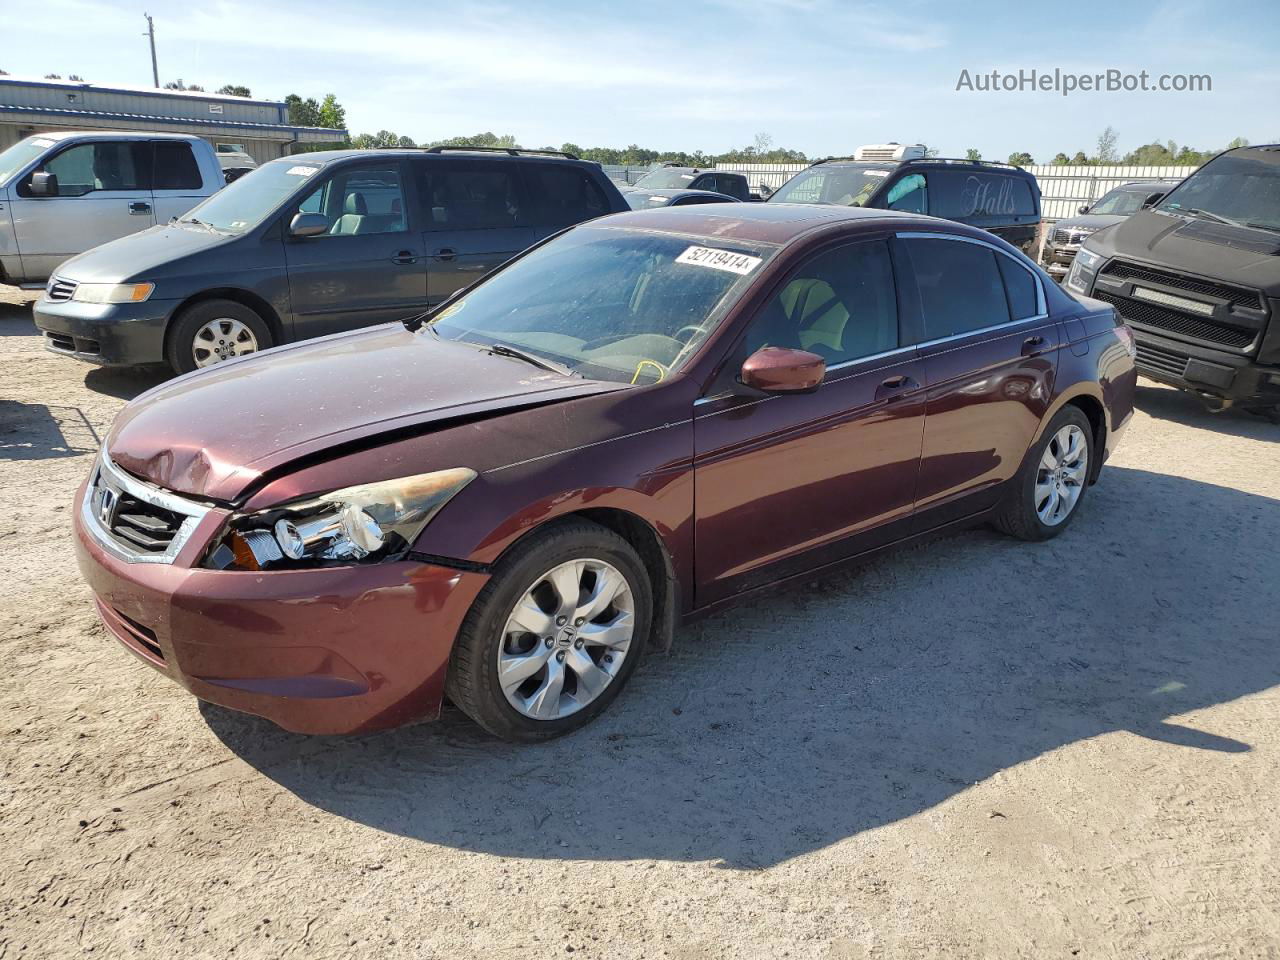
{"type": "Point", "coordinates": [670, 176]}
{"type": "Point", "coordinates": [1197, 276]}
{"type": "Point", "coordinates": [63, 193]}
{"type": "Point", "coordinates": [644, 199]}
{"type": "Point", "coordinates": [638, 421]}
{"type": "Point", "coordinates": [234, 160]}
{"type": "Point", "coordinates": [999, 198]}
{"type": "Point", "coordinates": [1124, 201]}
{"type": "Point", "coordinates": [311, 245]}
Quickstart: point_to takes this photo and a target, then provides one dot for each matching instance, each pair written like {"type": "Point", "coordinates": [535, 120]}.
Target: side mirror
{"type": "Point", "coordinates": [766, 191]}
{"type": "Point", "coordinates": [308, 225]}
{"type": "Point", "coordinates": [783, 370]}
{"type": "Point", "coordinates": [1152, 200]}
{"type": "Point", "coordinates": [44, 184]}
{"type": "Point", "coordinates": [1083, 208]}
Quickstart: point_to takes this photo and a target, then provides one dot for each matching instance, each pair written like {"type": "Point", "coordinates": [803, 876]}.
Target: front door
{"type": "Point", "coordinates": [989, 354]}
{"type": "Point", "coordinates": [368, 268]}
{"type": "Point", "coordinates": [477, 217]}
{"type": "Point", "coordinates": [789, 482]}
{"type": "Point", "coordinates": [103, 193]}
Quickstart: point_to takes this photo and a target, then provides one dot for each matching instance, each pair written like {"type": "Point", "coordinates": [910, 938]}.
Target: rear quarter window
{"type": "Point", "coordinates": [564, 195]}
{"type": "Point", "coordinates": [978, 195]}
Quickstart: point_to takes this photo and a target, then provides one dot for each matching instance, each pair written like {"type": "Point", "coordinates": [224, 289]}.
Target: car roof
{"type": "Point", "coordinates": [60, 135]}
{"type": "Point", "coordinates": [677, 192]}
{"type": "Point", "coordinates": [334, 156]}
{"type": "Point", "coordinates": [777, 223]}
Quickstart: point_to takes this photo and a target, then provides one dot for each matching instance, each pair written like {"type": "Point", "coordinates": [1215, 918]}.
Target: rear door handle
{"type": "Point", "coordinates": [445, 253]}
{"type": "Point", "coordinates": [405, 256]}
{"type": "Point", "coordinates": [1034, 346]}
{"type": "Point", "coordinates": [895, 387]}
{"type": "Point", "coordinates": [139, 207]}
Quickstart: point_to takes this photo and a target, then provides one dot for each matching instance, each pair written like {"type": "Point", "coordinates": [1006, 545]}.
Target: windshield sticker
{"type": "Point", "coordinates": [42, 143]}
{"type": "Point", "coordinates": [738, 263]}
{"type": "Point", "coordinates": [686, 176]}
{"type": "Point", "coordinates": [876, 173]}
{"type": "Point", "coordinates": [301, 171]}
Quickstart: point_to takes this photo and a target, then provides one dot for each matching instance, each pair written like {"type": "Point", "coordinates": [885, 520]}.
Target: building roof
{"type": "Point", "coordinates": [137, 91]}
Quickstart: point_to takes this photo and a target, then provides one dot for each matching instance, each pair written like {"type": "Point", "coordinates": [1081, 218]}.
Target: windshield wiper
{"type": "Point", "coordinates": [1216, 218]}
{"type": "Point", "coordinates": [503, 350]}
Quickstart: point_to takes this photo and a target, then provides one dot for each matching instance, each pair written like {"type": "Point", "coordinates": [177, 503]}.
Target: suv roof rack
{"type": "Point", "coordinates": [509, 151]}
{"type": "Point", "coordinates": [980, 163]}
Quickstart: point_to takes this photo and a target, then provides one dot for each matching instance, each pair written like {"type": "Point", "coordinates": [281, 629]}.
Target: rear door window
{"type": "Point", "coordinates": [564, 195]}
{"type": "Point", "coordinates": [174, 166]}
{"type": "Point", "coordinates": [472, 196]}
{"type": "Point", "coordinates": [960, 285]}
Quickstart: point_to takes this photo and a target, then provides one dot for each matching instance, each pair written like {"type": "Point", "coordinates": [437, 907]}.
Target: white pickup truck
{"type": "Point", "coordinates": [64, 193]}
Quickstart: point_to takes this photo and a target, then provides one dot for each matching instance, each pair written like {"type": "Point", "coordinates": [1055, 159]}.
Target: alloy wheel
{"type": "Point", "coordinates": [1062, 474]}
{"type": "Point", "coordinates": [222, 339]}
{"type": "Point", "coordinates": [566, 639]}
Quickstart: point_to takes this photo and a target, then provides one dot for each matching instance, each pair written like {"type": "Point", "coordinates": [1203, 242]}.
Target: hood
{"type": "Point", "coordinates": [215, 432]}
{"type": "Point", "coordinates": [135, 257]}
{"type": "Point", "coordinates": [1238, 255]}
{"type": "Point", "coordinates": [1091, 222]}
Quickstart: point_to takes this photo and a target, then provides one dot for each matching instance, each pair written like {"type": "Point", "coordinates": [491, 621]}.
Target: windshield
{"type": "Point", "coordinates": [849, 185]}
{"type": "Point", "coordinates": [666, 178]}
{"type": "Point", "coordinates": [245, 203]}
{"type": "Point", "coordinates": [607, 303]}
{"type": "Point", "coordinates": [1241, 187]}
{"type": "Point", "coordinates": [21, 154]}
{"type": "Point", "coordinates": [1124, 201]}
{"type": "Point", "coordinates": [640, 200]}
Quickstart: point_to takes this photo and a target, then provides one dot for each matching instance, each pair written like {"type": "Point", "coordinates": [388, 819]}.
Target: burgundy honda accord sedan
{"type": "Point", "coordinates": [638, 421]}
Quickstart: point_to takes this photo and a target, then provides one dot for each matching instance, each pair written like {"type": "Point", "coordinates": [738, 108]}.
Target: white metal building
{"type": "Point", "coordinates": [261, 127]}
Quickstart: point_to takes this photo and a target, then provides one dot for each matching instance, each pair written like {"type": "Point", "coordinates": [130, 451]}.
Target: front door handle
{"type": "Point", "coordinates": [895, 387]}
{"type": "Point", "coordinates": [139, 207]}
{"type": "Point", "coordinates": [405, 256]}
{"type": "Point", "coordinates": [445, 253]}
{"type": "Point", "coordinates": [1034, 346]}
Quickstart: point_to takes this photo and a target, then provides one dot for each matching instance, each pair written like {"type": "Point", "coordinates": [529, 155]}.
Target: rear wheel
{"type": "Point", "coordinates": [212, 331]}
{"type": "Point", "coordinates": [1047, 491]}
{"type": "Point", "coordinates": [554, 635]}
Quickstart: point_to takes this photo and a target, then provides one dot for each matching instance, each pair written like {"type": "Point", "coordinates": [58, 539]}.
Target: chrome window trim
{"type": "Point", "coordinates": [1042, 304]}
{"type": "Point", "coordinates": [106, 475]}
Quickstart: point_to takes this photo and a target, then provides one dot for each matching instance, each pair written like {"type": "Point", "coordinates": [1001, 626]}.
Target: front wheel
{"type": "Point", "coordinates": [212, 331]}
{"type": "Point", "coordinates": [554, 635]}
{"type": "Point", "coordinates": [1047, 491]}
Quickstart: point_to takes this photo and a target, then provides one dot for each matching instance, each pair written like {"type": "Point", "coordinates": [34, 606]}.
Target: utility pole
{"type": "Point", "coordinates": [151, 34]}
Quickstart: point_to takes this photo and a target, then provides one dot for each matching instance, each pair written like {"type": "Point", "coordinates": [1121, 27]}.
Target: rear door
{"type": "Point", "coordinates": [369, 267]}
{"type": "Point", "coordinates": [989, 354]}
{"type": "Point", "coordinates": [477, 215]}
{"type": "Point", "coordinates": [176, 184]}
{"type": "Point", "coordinates": [788, 482]}
{"type": "Point", "coordinates": [104, 192]}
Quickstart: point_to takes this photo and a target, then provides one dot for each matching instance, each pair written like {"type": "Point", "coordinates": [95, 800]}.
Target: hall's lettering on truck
{"type": "Point", "coordinates": [64, 193]}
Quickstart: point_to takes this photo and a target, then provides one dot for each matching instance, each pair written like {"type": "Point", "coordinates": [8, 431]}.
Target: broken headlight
{"type": "Point", "coordinates": [361, 524]}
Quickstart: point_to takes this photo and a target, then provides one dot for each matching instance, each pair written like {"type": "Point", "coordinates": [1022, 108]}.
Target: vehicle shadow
{"type": "Point", "coordinates": [36, 431]}
{"type": "Point", "coordinates": [16, 320]}
{"type": "Point", "coordinates": [804, 718]}
{"type": "Point", "coordinates": [1166, 403]}
{"type": "Point", "coordinates": [124, 382]}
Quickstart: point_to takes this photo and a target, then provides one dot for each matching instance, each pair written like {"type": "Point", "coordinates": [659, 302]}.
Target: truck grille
{"type": "Point", "coordinates": [1150, 315]}
{"type": "Point", "coordinates": [136, 521]}
{"type": "Point", "coordinates": [1237, 296]}
{"type": "Point", "coordinates": [59, 290]}
{"type": "Point", "coordinates": [1063, 235]}
{"type": "Point", "coordinates": [1157, 358]}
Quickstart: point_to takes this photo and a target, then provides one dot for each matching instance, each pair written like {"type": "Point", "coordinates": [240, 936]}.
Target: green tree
{"type": "Point", "coordinates": [973, 153]}
{"type": "Point", "coordinates": [1061, 159]}
{"type": "Point", "coordinates": [53, 76]}
{"type": "Point", "coordinates": [179, 85]}
{"type": "Point", "coordinates": [234, 90]}
{"type": "Point", "coordinates": [1022, 159]}
{"type": "Point", "coordinates": [1107, 146]}
{"type": "Point", "coordinates": [1080, 160]}
{"type": "Point", "coordinates": [303, 113]}
{"type": "Point", "coordinates": [331, 113]}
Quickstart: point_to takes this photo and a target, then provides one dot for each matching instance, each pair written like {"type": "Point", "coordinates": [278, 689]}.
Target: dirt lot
{"type": "Point", "coordinates": [977, 748]}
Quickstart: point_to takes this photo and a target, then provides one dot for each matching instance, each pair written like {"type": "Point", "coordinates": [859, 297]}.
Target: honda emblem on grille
{"type": "Point", "coordinates": [106, 505]}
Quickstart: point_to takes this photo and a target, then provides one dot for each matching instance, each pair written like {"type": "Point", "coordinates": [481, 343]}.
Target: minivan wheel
{"type": "Point", "coordinates": [554, 635]}
{"type": "Point", "coordinates": [1045, 495]}
{"type": "Point", "coordinates": [211, 331]}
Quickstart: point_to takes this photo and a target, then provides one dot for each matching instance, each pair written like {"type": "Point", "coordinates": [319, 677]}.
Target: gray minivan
{"type": "Point", "coordinates": [311, 245]}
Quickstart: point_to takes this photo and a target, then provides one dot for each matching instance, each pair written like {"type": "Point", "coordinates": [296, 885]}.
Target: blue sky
{"type": "Point", "coordinates": [817, 75]}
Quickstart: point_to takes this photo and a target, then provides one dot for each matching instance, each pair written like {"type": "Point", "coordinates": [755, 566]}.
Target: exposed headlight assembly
{"type": "Point", "coordinates": [113, 292]}
{"type": "Point", "coordinates": [363, 524]}
{"type": "Point", "coordinates": [1085, 262]}
{"type": "Point", "coordinates": [1088, 260]}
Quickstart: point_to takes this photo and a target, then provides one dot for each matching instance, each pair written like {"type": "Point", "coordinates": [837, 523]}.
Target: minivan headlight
{"type": "Point", "coordinates": [112, 292]}
{"type": "Point", "coordinates": [362, 524]}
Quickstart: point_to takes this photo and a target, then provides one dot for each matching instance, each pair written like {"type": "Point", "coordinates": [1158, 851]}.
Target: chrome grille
{"type": "Point", "coordinates": [134, 520]}
{"type": "Point", "coordinates": [59, 290]}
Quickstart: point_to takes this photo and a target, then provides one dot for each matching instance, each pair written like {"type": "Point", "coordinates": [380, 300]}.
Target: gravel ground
{"type": "Point", "coordinates": [978, 747]}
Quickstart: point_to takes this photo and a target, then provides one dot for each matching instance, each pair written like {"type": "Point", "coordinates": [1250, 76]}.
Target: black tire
{"type": "Point", "coordinates": [179, 341]}
{"type": "Point", "coordinates": [1018, 516]}
{"type": "Point", "coordinates": [472, 683]}
{"type": "Point", "coordinates": [1271, 413]}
